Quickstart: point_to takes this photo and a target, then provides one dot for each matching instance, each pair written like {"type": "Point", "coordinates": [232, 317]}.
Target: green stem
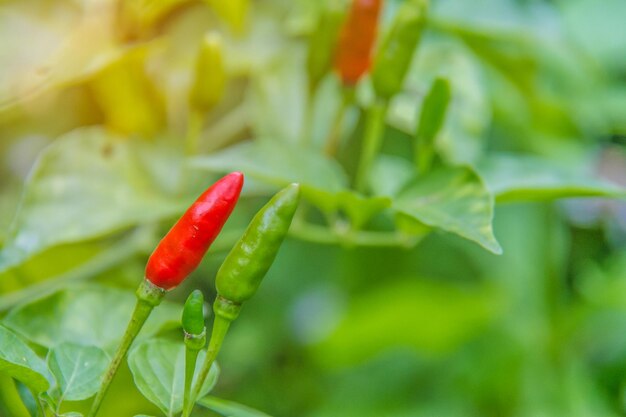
{"type": "Point", "coordinates": [334, 137]}
{"type": "Point", "coordinates": [41, 407]}
{"type": "Point", "coordinates": [194, 128]}
{"type": "Point", "coordinates": [148, 297]}
{"type": "Point", "coordinates": [320, 234]}
{"type": "Point", "coordinates": [372, 140]}
{"type": "Point", "coordinates": [10, 398]}
{"type": "Point", "coordinates": [220, 328]}
{"type": "Point", "coordinates": [191, 357]}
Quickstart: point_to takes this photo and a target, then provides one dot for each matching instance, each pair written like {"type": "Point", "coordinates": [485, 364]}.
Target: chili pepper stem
{"type": "Point", "coordinates": [374, 128]}
{"type": "Point", "coordinates": [194, 128]}
{"type": "Point", "coordinates": [220, 328]}
{"type": "Point", "coordinates": [148, 297]}
{"type": "Point", "coordinates": [334, 136]}
{"type": "Point", "coordinates": [191, 357]}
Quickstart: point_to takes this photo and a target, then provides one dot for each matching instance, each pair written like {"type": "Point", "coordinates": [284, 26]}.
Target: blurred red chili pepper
{"type": "Point", "coordinates": [181, 250]}
{"type": "Point", "coordinates": [353, 56]}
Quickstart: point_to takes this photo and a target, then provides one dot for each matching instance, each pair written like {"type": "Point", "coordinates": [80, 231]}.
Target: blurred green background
{"type": "Point", "coordinates": [93, 119]}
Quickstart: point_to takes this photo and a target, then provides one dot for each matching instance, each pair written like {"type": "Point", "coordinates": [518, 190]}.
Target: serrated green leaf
{"type": "Point", "coordinates": [280, 164]}
{"type": "Point", "coordinates": [452, 199]}
{"type": "Point", "coordinates": [78, 370]}
{"type": "Point", "coordinates": [85, 314]}
{"type": "Point", "coordinates": [158, 367]}
{"type": "Point", "coordinates": [85, 185]}
{"type": "Point", "coordinates": [519, 178]}
{"type": "Point", "coordinates": [229, 408]}
{"type": "Point", "coordinates": [20, 362]}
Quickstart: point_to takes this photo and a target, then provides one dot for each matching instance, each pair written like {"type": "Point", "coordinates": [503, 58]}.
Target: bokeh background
{"type": "Point", "coordinates": [93, 120]}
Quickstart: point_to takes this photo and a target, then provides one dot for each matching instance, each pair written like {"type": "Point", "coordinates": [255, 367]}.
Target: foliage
{"type": "Point", "coordinates": [447, 281]}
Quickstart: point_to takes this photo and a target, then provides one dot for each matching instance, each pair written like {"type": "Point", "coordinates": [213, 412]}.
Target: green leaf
{"type": "Point", "coordinates": [453, 199]}
{"type": "Point", "coordinates": [20, 362]}
{"type": "Point", "coordinates": [78, 370]}
{"type": "Point", "coordinates": [57, 55]}
{"type": "Point", "coordinates": [85, 314]}
{"type": "Point", "coordinates": [280, 164]}
{"type": "Point", "coordinates": [158, 367]}
{"type": "Point", "coordinates": [518, 178]}
{"type": "Point", "coordinates": [229, 408]}
{"type": "Point", "coordinates": [361, 209]}
{"type": "Point", "coordinates": [85, 185]}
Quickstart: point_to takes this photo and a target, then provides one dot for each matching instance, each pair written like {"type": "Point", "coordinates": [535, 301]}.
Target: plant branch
{"type": "Point", "coordinates": [321, 234]}
{"type": "Point", "coordinates": [220, 328]}
{"type": "Point", "coordinates": [148, 297]}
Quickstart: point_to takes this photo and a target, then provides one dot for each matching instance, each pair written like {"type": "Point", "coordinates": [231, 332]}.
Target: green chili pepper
{"type": "Point", "coordinates": [245, 266]}
{"type": "Point", "coordinates": [431, 119]}
{"type": "Point", "coordinates": [193, 317]}
{"type": "Point", "coordinates": [323, 40]}
{"type": "Point", "coordinates": [395, 53]}
{"type": "Point", "coordinates": [195, 338]}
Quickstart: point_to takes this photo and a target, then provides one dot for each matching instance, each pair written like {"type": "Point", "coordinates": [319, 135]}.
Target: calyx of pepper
{"type": "Point", "coordinates": [226, 309]}
{"type": "Point", "coordinates": [195, 341]}
{"type": "Point", "coordinates": [150, 293]}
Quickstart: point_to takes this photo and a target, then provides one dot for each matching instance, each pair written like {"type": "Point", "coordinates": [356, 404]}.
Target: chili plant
{"type": "Point", "coordinates": [429, 141]}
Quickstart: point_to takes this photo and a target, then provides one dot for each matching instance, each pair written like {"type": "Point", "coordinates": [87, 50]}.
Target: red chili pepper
{"type": "Point", "coordinates": [353, 57]}
{"type": "Point", "coordinates": [181, 250]}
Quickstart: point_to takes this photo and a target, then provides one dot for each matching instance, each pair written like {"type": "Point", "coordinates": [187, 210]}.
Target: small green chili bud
{"type": "Point", "coordinates": [396, 51]}
{"type": "Point", "coordinates": [193, 321]}
{"type": "Point", "coordinates": [210, 75]}
{"type": "Point", "coordinates": [431, 119]}
{"type": "Point", "coordinates": [193, 313]}
{"type": "Point", "coordinates": [245, 266]}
